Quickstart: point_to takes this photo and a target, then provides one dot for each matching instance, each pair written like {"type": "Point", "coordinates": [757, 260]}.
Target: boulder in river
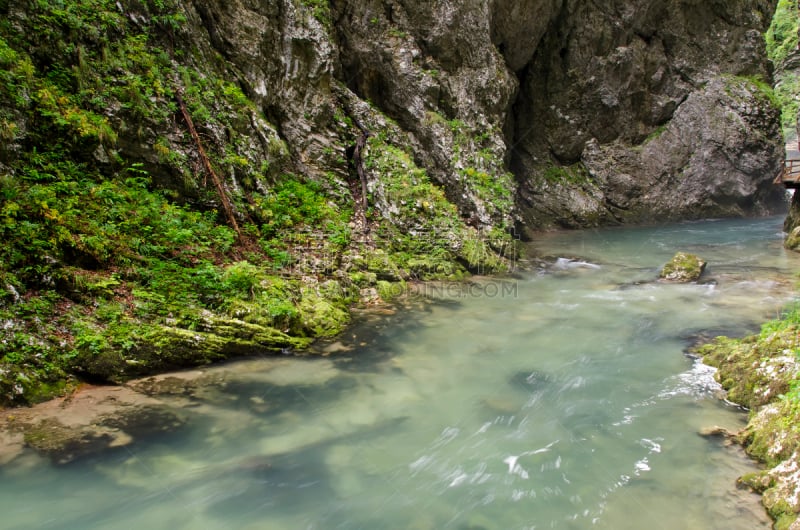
{"type": "Point", "coordinates": [683, 267]}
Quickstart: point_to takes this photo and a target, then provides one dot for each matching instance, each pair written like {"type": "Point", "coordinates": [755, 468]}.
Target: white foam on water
{"type": "Point", "coordinates": [698, 382]}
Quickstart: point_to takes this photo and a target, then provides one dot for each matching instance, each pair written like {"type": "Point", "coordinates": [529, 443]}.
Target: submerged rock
{"type": "Point", "coordinates": [683, 267]}
{"type": "Point", "coordinates": [719, 433]}
{"type": "Point", "coordinates": [92, 420]}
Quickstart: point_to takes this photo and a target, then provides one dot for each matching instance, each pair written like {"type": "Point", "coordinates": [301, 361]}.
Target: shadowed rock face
{"type": "Point", "coordinates": [539, 112]}
{"type": "Point", "coordinates": [655, 107]}
{"type": "Point", "coordinates": [636, 110]}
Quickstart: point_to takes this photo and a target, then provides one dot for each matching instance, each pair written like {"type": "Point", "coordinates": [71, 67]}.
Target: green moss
{"type": "Point", "coordinates": [774, 437]}
{"type": "Point", "coordinates": [758, 482]}
{"type": "Point", "coordinates": [126, 351]}
{"type": "Point", "coordinates": [324, 312]}
{"type": "Point", "coordinates": [576, 174]}
{"type": "Point", "coordinates": [783, 515]}
{"type": "Point", "coordinates": [363, 278]}
{"type": "Point", "coordinates": [782, 34]}
{"type": "Point", "coordinates": [408, 189]}
{"type": "Point", "coordinates": [764, 89]}
{"type": "Point", "coordinates": [759, 372]}
{"type": "Point", "coordinates": [792, 241]}
{"type": "Point", "coordinates": [482, 170]}
{"type": "Point", "coordinates": [320, 9]}
{"type": "Point", "coordinates": [683, 267]}
{"type": "Point", "coordinates": [655, 134]}
{"type": "Point", "coordinates": [738, 360]}
{"type": "Point", "coordinates": [388, 291]}
{"type": "Point", "coordinates": [477, 253]}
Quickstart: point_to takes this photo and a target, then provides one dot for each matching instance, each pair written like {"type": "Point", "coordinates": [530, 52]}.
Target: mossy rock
{"type": "Point", "coordinates": [388, 291]}
{"type": "Point", "coordinates": [160, 348]}
{"type": "Point", "coordinates": [758, 482]}
{"type": "Point", "coordinates": [754, 370]}
{"type": "Point", "coordinates": [785, 521]}
{"type": "Point", "coordinates": [771, 436]}
{"type": "Point", "coordinates": [793, 240]}
{"type": "Point", "coordinates": [28, 384]}
{"type": "Point", "coordinates": [683, 268]}
{"type": "Point", "coordinates": [323, 310]}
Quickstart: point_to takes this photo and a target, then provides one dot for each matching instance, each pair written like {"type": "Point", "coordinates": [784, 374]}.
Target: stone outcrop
{"type": "Point", "coordinates": [683, 268]}
{"type": "Point", "coordinates": [549, 112]}
{"type": "Point", "coordinates": [644, 111]}
{"type": "Point", "coordinates": [759, 372]}
{"type": "Point", "coordinates": [625, 111]}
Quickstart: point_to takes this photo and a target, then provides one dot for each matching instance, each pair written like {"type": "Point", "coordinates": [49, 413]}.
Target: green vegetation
{"type": "Point", "coordinates": [421, 230]}
{"type": "Point", "coordinates": [760, 372]}
{"type": "Point", "coordinates": [781, 45]}
{"type": "Point", "coordinates": [111, 266]}
{"type": "Point", "coordinates": [482, 171]}
{"type": "Point", "coordinates": [576, 174]}
{"type": "Point", "coordinates": [320, 9]}
{"type": "Point", "coordinates": [655, 134]}
{"type": "Point", "coordinates": [118, 258]}
{"type": "Point", "coordinates": [782, 34]}
{"type": "Point", "coordinates": [787, 91]}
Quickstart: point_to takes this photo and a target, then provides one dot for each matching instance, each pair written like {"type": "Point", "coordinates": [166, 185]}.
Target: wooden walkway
{"type": "Point", "coordinates": [790, 176]}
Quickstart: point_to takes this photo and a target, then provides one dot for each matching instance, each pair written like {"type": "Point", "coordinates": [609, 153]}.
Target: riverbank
{"type": "Point", "coordinates": [564, 395]}
{"type": "Point", "coordinates": [761, 373]}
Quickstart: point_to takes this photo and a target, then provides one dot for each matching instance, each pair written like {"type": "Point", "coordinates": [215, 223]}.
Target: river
{"type": "Point", "coordinates": [559, 397]}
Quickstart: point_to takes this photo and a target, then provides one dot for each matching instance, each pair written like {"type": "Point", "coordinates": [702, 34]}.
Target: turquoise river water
{"type": "Point", "coordinates": [558, 398]}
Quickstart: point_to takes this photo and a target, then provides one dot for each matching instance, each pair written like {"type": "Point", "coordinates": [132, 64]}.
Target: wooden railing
{"type": "Point", "coordinates": [790, 177]}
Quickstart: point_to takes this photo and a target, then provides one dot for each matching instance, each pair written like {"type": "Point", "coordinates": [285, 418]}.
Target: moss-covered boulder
{"type": "Point", "coordinates": [683, 267]}
{"type": "Point", "coordinates": [157, 348]}
{"type": "Point", "coordinates": [761, 373]}
{"type": "Point", "coordinates": [792, 241]}
{"type": "Point", "coordinates": [754, 370]}
{"type": "Point", "coordinates": [323, 309]}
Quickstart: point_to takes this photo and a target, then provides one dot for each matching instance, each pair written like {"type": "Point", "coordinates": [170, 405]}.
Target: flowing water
{"type": "Point", "coordinates": [559, 398]}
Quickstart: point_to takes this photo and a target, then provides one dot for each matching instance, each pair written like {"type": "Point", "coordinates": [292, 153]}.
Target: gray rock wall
{"type": "Point", "coordinates": [603, 112]}
{"type": "Point", "coordinates": [659, 110]}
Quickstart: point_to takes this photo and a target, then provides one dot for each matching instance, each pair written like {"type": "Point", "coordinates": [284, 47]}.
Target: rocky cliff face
{"type": "Point", "coordinates": [646, 111]}
{"type": "Point", "coordinates": [621, 112]}
{"type": "Point", "coordinates": [550, 112]}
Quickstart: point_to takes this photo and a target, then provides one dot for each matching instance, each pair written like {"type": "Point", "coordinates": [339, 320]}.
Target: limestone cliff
{"type": "Point", "coordinates": [625, 111]}
{"type": "Point", "coordinates": [647, 111]}
{"type": "Point", "coordinates": [551, 112]}
{"type": "Point", "coordinates": [186, 181]}
{"type": "Point", "coordinates": [576, 112]}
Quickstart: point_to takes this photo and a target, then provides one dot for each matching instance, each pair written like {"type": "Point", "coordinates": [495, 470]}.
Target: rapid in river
{"type": "Point", "coordinates": [558, 397]}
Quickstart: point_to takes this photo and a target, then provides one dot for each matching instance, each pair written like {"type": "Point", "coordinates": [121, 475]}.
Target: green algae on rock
{"type": "Point", "coordinates": [683, 267]}
{"type": "Point", "coordinates": [761, 373]}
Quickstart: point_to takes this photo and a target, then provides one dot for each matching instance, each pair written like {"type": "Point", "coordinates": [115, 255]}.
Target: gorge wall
{"type": "Point", "coordinates": [186, 181]}
{"type": "Point", "coordinates": [550, 112]}
{"type": "Point", "coordinates": [584, 113]}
